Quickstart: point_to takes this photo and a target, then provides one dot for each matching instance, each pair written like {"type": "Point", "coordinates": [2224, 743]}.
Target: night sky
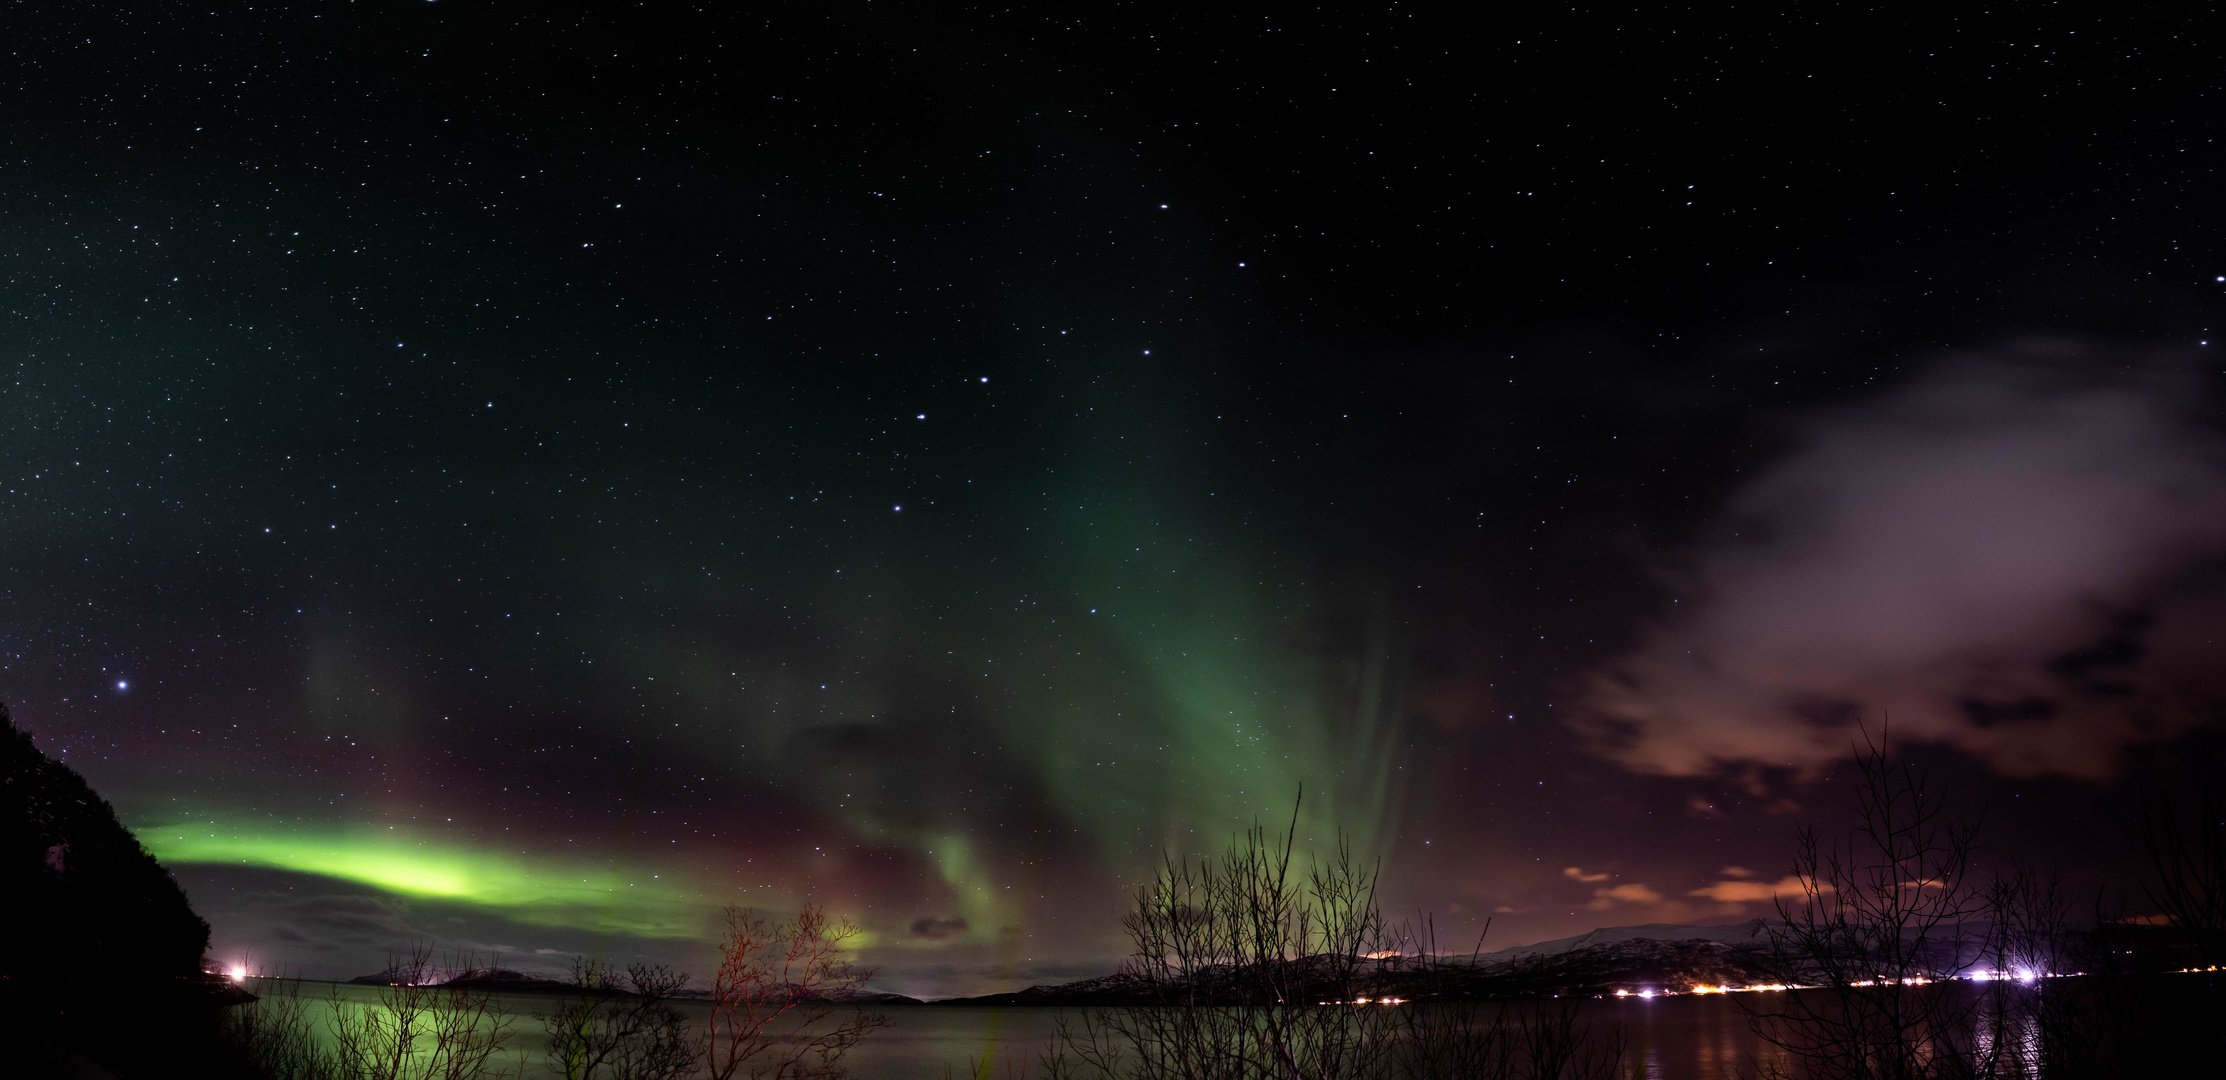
{"type": "Point", "coordinates": [525, 475]}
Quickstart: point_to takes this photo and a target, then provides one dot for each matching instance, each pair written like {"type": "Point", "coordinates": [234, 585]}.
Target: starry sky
{"type": "Point", "coordinates": [523, 476]}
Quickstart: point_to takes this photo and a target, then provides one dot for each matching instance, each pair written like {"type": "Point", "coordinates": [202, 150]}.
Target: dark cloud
{"type": "Point", "coordinates": [935, 929]}
{"type": "Point", "coordinates": [2016, 554]}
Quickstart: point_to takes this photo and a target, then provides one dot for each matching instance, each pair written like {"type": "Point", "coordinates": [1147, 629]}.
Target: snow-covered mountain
{"type": "Point", "coordinates": [1657, 956]}
{"type": "Point", "coordinates": [1752, 934]}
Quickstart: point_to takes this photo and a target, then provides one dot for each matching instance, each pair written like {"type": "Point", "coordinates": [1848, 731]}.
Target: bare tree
{"type": "Point", "coordinates": [660, 1043]}
{"type": "Point", "coordinates": [1251, 971]}
{"type": "Point", "coordinates": [1444, 1035]}
{"type": "Point", "coordinates": [2189, 863]}
{"type": "Point", "coordinates": [620, 1024]}
{"type": "Point", "coordinates": [2131, 1013]}
{"type": "Point", "coordinates": [420, 1030]}
{"type": "Point", "coordinates": [1509, 1040]}
{"type": "Point", "coordinates": [577, 1041]}
{"type": "Point", "coordinates": [1880, 925]}
{"type": "Point", "coordinates": [784, 1000]}
{"type": "Point", "coordinates": [274, 1036]}
{"type": "Point", "coordinates": [2029, 940]}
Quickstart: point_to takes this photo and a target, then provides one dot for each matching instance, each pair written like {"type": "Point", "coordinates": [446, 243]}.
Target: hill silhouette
{"type": "Point", "coordinates": [94, 920]}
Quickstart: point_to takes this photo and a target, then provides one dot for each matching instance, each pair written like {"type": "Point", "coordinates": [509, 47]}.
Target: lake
{"type": "Point", "coordinates": [1665, 1038]}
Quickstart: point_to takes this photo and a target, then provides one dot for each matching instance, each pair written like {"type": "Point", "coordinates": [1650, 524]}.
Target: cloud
{"type": "Point", "coordinates": [1576, 873]}
{"type": "Point", "coordinates": [1603, 899]}
{"type": "Point", "coordinates": [2016, 555]}
{"type": "Point", "coordinates": [934, 929]}
{"type": "Point", "coordinates": [1742, 892]}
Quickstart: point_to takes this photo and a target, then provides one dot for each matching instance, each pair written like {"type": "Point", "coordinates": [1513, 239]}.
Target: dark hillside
{"type": "Point", "coordinates": [96, 924]}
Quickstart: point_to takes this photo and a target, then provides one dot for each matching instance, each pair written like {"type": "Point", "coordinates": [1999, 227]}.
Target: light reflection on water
{"type": "Point", "coordinates": [1669, 1038]}
{"type": "Point", "coordinates": [1687, 1037]}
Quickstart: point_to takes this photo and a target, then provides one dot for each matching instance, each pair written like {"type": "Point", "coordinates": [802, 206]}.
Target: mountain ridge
{"type": "Point", "coordinates": [1647, 957]}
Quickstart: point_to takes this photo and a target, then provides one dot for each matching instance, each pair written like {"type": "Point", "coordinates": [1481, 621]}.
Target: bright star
{"type": "Point", "coordinates": [122, 685]}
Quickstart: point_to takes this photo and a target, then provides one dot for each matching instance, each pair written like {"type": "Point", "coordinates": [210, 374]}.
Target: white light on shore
{"type": "Point", "coordinates": [239, 972]}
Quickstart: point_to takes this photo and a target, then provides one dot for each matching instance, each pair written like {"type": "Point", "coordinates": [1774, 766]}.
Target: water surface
{"type": "Point", "coordinates": [1664, 1038]}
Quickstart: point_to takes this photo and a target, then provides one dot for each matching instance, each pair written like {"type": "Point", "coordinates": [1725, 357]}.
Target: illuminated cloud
{"type": "Point", "coordinates": [1742, 892]}
{"type": "Point", "coordinates": [1603, 899]}
{"type": "Point", "coordinates": [2015, 556]}
{"type": "Point", "coordinates": [1576, 873]}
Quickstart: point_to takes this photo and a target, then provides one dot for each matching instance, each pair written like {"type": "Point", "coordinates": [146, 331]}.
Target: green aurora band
{"type": "Point", "coordinates": [1151, 637]}
{"type": "Point", "coordinates": [609, 896]}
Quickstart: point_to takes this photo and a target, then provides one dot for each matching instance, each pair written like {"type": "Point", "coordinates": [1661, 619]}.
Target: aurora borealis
{"type": "Point", "coordinates": [528, 478]}
{"type": "Point", "coordinates": [858, 629]}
